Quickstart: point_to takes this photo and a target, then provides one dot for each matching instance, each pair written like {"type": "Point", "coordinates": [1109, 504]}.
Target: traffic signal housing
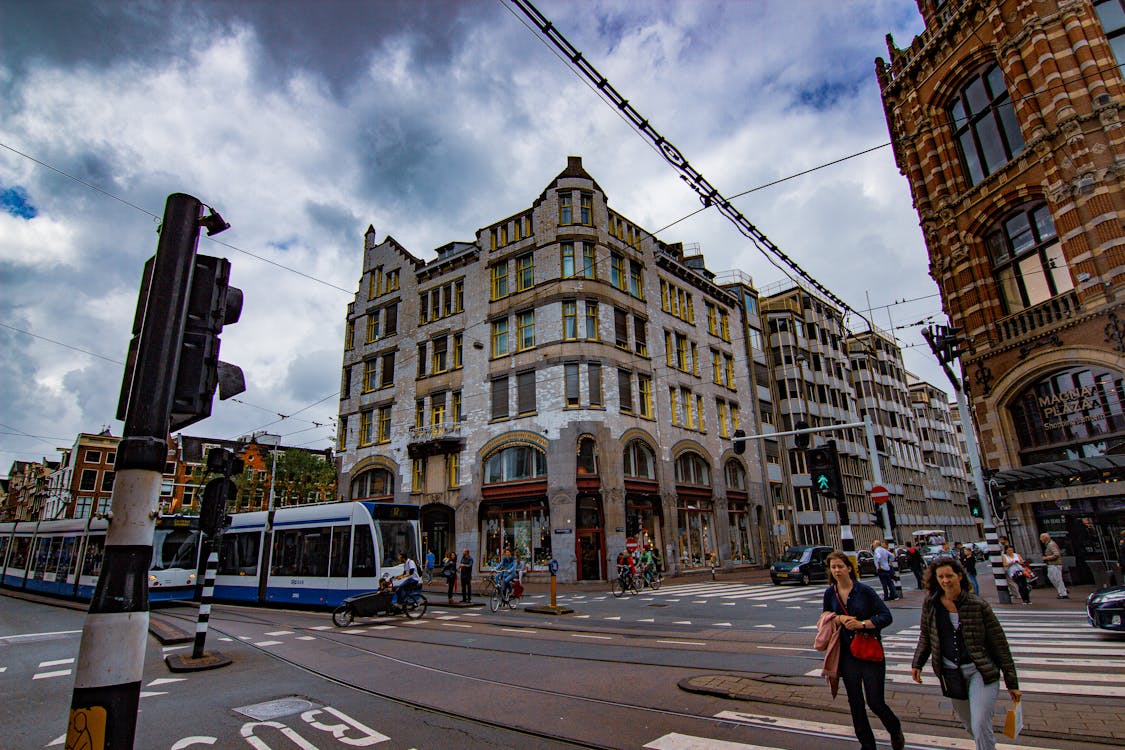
{"type": "Point", "coordinates": [824, 469]}
{"type": "Point", "coordinates": [213, 506]}
{"type": "Point", "coordinates": [1000, 502]}
{"type": "Point", "coordinates": [975, 509]}
{"type": "Point", "coordinates": [739, 445]}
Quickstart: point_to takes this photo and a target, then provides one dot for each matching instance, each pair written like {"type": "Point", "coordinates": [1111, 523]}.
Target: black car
{"type": "Point", "coordinates": [866, 562]}
{"type": "Point", "coordinates": [1105, 609]}
{"type": "Point", "coordinates": [803, 564]}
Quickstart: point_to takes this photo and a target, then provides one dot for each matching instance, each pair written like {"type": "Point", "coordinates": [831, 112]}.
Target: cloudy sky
{"type": "Point", "coordinates": [304, 121]}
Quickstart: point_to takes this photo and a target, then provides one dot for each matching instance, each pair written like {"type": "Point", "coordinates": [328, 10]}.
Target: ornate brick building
{"type": "Point", "coordinates": [1006, 121]}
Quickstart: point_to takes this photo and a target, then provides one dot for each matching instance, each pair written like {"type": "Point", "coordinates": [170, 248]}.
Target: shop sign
{"type": "Point", "coordinates": [564, 531]}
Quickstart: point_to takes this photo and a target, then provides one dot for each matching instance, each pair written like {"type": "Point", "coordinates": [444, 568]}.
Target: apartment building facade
{"type": "Point", "coordinates": [1006, 122]}
{"type": "Point", "coordinates": [561, 385]}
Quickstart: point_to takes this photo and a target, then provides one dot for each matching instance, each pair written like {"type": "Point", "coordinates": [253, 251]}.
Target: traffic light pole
{"type": "Point", "coordinates": [884, 511]}
{"type": "Point", "coordinates": [110, 666]}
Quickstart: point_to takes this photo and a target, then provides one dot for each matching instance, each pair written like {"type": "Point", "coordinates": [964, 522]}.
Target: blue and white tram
{"type": "Point", "coordinates": [317, 555]}
{"type": "Point", "coordinates": [64, 558]}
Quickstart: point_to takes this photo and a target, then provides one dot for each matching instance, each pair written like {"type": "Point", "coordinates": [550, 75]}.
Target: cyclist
{"type": "Point", "coordinates": [507, 571]}
{"type": "Point", "coordinates": [648, 564]}
{"type": "Point", "coordinates": [408, 580]}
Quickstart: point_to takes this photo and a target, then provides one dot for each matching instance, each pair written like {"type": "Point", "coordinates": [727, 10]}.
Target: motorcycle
{"type": "Point", "coordinates": [412, 604]}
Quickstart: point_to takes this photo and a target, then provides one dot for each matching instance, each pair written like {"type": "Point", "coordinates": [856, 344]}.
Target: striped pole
{"type": "Point", "coordinates": [205, 603]}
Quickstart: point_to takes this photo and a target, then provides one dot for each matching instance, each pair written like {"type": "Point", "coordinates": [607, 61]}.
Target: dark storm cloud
{"type": "Point", "coordinates": [339, 222]}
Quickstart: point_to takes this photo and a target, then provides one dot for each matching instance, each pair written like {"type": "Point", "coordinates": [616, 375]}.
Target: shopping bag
{"type": "Point", "coordinates": [1013, 721]}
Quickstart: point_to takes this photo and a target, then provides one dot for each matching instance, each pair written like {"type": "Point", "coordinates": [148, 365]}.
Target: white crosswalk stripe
{"type": "Point", "coordinates": [727, 592]}
{"type": "Point", "coordinates": [1055, 653]}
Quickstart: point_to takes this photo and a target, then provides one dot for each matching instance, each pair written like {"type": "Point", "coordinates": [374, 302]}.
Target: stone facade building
{"type": "Point", "coordinates": [1006, 121]}
{"type": "Point", "coordinates": [560, 385]}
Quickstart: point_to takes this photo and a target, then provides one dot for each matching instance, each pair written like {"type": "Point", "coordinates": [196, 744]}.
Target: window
{"type": "Point", "coordinates": [640, 337]}
{"type": "Point", "coordinates": [349, 336]}
{"type": "Point", "coordinates": [699, 410]}
{"type": "Point", "coordinates": [587, 464]}
{"type": "Point", "coordinates": [589, 267]}
{"type": "Point", "coordinates": [421, 359]}
{"type": "Point", "coordinates": [342, 435]}
{"type": "Point", "coordinates": [372, 326]}
{"type": "Point", "coordinates": [500, 398]}
{"type": "Point", "coordinates": [735, 476]}
{"type": "Point", "coordinates": [716, 367]}
{"type": "Point", "coordinates": [566, 209]}
{"type": "Point", "coordinates": [373, 483]}
{"type": "Point", "coordinates": [625, 390]}
{"type": "Point", "coordinates": [515, 463]}
{"type": "Point", "coordinates": [93, 457]}
{"type": "Point", "coordinates": [453, 467]}
{"type": "Point", "coordinates": [1027, 258]}
{"type": "Point", "coordinates": [388, 375]}
{"type": "Point", "coordinates": [573, 397]}
{"type": "Point", "coordinates": [525, 392]}
{"type": "Point", "coordinates": [640, 461]}
{"type": "Point", "coordinates": [728, 361]}
{"type": "Point", "coordinates": [617, 271]}
{"type": "Point", "coordinates": [570, 319]}
{"type": "Point", "coordinates": [390, 320]}
{"type": "Point", "coordinates": [724, 325]}
{"type": "Point", "coordinates": [568, 260]}
{"type": "Point", "coordinates": [712, 320]}
{"type": "Point", "coordinates": [644, 393]}
{"type": "Point", "coordinates": [636, 284]}
{"type": "Point", "coordinates": [419, 413]}
{"type": "Point", "coordinates": [369, 375]}
{"type": "Point", "coordinates": [594, 376]}
{"type": "Point", "coordinates": [620, 328]}
{"type": "Point", "coordinates": [586, 203]}
{"type": "Point", "coordinates": [499, 281]}
{"type": "Point", "coordinates": [89, 480]}
{"type": "Point", "coordinates": [984, 124]}
{"type": "Point", "coordinates": [391, 281]}
{"type": "Point", "coordinates": [591, 320]}
{"type": "Point", "coordinates": [525, 272]}
{"type": "Point", "coordinates": [437, 409]}
{"type": "Point", "coordinates": [499, 338]}
{"type": "Point", "coordinates": [456, 408]}
{"type": "Point", "coordinates": [417, 474]}
{"type": "Point", "coordinates": [107, 481]}
{"type": "Point", "coordinates": [721, 411]}
{"type": "Point", "coordinates": [346, 385]}
{"type": "Point", "coordinates": [440, 358]}
{"type": "Point", "coordinates": [1112, 15]}
{"type": "Point", "coordinates": [673, 405]}
{"type": "Point", "coordinates": [458, 350]}
{"type": "Point", "coordinates": [376, 283]}
{"type": "Point", "coordinates": [689, 408]}
{"type": "Point", "coordinates": [384, 424]}
{"type": "Point", "coordinates": [365, 427]}
{"type": "Point", "coordinates": [691, 469]}
{"type": "Point", "coordinates": [525, 330]}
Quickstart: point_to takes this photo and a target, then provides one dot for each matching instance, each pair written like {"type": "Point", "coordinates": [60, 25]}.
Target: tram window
{"type": "Point", "coordinates": [42, 555]}
{"type": "Point", "coordinates": [301, 552]}
{"type": "Point", "coordinates": [397, 537]}
{"type": "Point", "coordinates": [66, 555]}
{"type": "Point", "coordinates": [20, 551]}
{"type": "Point", "coordinates": [238, 554]}
{"type": "Point", "coordinates": [363, 554]}
{"type": "Point", "coordinates": [92, 562]}
{"type": "Point", "coordinates": [175, 548]}
{"type": "Point", "coordinates": [3, 550]}
{"type": "Point", "coordinates": [341, 542]}
{"type": "Point", "coordinates": [72, 567]}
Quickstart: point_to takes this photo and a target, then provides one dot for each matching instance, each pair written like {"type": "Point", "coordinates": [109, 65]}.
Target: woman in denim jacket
{"type": "Point", "coordinates": [859, 608]}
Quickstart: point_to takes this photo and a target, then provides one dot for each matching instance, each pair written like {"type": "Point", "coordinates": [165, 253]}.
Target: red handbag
{"type": "Point", "coordinates": [865, 646]}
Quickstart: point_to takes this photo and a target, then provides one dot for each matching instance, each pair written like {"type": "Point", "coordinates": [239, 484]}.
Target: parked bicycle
{"type": "Point", "coordinates": [508, 595]}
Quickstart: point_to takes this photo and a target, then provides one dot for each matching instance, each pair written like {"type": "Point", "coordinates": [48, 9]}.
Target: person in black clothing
{"type": "Point", "coordinates": [968, 559]}
{"type": "Point", "coordinates": [859, 608]}
{"type": "Point", "coordinates": [449, 572]}
{"type": "Point", "coordinates": [466, 567]}
{"type": "Point", "coordinates": [914, 562]}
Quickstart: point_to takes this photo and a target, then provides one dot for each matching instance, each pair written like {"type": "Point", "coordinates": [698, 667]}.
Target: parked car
{"type": "Point", "coordinates": [866, 562]}
{"type": "Point", "coordinates": [803, 564]}
{"type": "Point", "coordinates": [930, 551]}
{"type": "Point", "coordinates": [1105, 609]}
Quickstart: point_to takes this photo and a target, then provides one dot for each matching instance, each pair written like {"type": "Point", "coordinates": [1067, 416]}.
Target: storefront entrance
{"type": "Point", "coordinates": [438, 535]}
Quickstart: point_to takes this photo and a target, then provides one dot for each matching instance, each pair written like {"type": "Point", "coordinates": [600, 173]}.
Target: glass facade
{"type": "Point", "coordinates": [524, 527]}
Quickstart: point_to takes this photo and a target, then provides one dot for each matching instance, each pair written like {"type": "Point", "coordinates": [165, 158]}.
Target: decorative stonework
{"type": "Point", "coordinates": [1115, 331]}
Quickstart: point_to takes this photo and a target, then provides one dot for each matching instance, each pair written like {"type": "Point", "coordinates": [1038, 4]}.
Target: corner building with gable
{"type": "Point", "coordinates": [562, 384]}
{"type": "Point", "coordinates": [1006, 119]}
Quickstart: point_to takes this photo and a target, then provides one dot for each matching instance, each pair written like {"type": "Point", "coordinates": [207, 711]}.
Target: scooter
{"type": "Point", "coordinates": [412, 604]}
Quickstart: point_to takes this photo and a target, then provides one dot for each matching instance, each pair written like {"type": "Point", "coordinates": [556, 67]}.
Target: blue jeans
{"type": "Point", "coordinates": [866, 679]}
{"type": "Point", "coordinates": [976, 712]}
{"type": "Point", "coordinates": [887, 578]}
{"type": "Point", "coordinates": [973, 580]}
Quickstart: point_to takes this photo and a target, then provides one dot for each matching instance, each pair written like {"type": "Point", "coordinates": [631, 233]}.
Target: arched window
{"type": "Point", "coordinates": [735, 475]}
{"type": "Point", "coordinates": [376, 483]}
{"type": "Point", "coordinates": [1027, 258]}
{"type": "Point", "coordinates": [515, 463]}
{"type": "Point", "coordinates": [587, 457]}
{"type": "Point", "coordinates": [691, 469]}
{"type": "Point", "coordinates": [640, 462]}
{"type": "Point", "coordinates": [984, 124]}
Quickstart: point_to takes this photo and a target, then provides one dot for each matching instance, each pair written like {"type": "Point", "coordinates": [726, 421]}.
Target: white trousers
{"type": "Point", "coordinates": [976, 712]}
{"type": "Point", "coordinates": [1055, 576]}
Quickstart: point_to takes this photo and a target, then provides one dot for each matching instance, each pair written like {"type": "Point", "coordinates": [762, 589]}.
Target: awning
{"type": "Point", "coordinates": [1062, 473]}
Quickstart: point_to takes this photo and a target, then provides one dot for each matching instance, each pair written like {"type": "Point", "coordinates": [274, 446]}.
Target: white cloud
{"type": "Point", "coordinates": [41, 241]}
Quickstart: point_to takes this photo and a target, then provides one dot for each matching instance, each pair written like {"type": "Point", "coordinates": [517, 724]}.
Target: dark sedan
{"type": "Point", "coordinates": [1105, 609]}
{"type": "Point", "coordinates": [802, 564]}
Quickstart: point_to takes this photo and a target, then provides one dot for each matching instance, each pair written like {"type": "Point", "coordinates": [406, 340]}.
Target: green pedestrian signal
{"type": "Point", "coordinates": [823, 483]}
{"type": "Point", "coordinates": [824, 470]}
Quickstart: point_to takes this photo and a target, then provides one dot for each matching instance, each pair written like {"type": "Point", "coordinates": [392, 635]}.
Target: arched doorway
{"type": "Point", "coordinates": [438, 532]}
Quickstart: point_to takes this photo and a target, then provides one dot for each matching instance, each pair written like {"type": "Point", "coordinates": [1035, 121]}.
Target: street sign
{"type": "Point", "coordinates": [631, 544]}
{"type": "Point", "coordinates": [879, 494]}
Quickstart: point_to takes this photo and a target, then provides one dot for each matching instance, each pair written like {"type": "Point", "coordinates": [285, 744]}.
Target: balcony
{"type": "Point", "coordinates": [435, 439]}
{"type": "Point", "coordinates": [1036, 320]}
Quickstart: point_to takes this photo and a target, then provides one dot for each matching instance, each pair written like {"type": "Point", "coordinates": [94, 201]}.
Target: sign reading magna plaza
{"type": "Point", "coordinates": [1067, 409]}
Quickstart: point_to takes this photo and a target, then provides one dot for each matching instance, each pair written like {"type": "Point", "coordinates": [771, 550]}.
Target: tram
{"type": "Point", "coordinates": [64, 558]}
{"type": "Point", "coordinates": [315, 555]}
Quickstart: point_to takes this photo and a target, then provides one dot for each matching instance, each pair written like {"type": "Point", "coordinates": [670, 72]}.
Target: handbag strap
{"type": "Point", "coordinates": [838, 599]}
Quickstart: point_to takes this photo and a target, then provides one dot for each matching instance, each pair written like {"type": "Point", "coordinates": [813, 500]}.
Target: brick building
{"type": "Point", "coordinates": [1006, 121]}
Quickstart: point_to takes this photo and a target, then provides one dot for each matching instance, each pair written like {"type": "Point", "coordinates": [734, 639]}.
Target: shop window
{"type": "Point", "coordinates": [1027, 258]}
{"type": "Point", "coordinates": [524, 528]}
{"type": "Point", "coordinates": [984, 124]}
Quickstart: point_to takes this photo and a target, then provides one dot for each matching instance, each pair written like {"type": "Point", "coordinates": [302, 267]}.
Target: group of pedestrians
{"type": "Point", "coordinates": [453, 569]}
{"type": "Point", "coordinates": [960, 636]}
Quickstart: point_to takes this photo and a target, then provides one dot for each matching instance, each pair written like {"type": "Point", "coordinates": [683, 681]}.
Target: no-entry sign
{"type": "Point", "coordinates": [879, 494]}
{"type": "Point", "coordinates": [631, 544]}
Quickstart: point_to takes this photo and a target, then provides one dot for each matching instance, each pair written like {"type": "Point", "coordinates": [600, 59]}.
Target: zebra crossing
{"type": "Point", "coordinates": [1055, 653]}
{"type": "Point", "coordinates": [721, 592]}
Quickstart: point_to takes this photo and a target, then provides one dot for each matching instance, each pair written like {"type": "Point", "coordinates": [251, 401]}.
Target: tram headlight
{"type": "Point", "coordinates": [152, 580]}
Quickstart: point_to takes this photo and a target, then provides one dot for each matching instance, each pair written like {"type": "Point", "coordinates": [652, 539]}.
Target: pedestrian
{"type": "Point", "coordinates": [449, 572]}
{"type": "Point", "coordinates": [883, 569]}
{"type": "Point", "coordinates": [962, 638]}
{"type": "Point", "coordinates": [429, 564]}
{"type": "Point", "coordinates": [968, 559]}
{"type": "Point", "coordinates": [1013, 591]}
{"type": "Point", "coordinates": [1052, 556]}
{"type": "Point", "coordinates": [466, 568]}
{"type": "Point", "coordinates": [1017, 571]}
{"type": "Point", "coordinates": [861, 616]}
{"type": "Point", "coordinates": [914, 562]}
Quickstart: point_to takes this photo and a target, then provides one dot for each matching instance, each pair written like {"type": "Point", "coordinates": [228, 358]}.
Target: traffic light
{"type": "Point", "coordinates": [890, 515]}
{"type": "Point", "coordinates": [824, 468]}
{"type": "Point", "coordinates": [1000, 503]}
{"type": "Point", "coordinates": [946, 343]}
{"type": "Point", "coordinates": [213, 506]}
{"type": "Point", "coordinates": [975, 509]}
{"type": "Point", "coordinates": [802, 441]}
{"type": "Point", "coordinates": [739, 445]}
{"type": "Point", "coordinates": [212, 304]}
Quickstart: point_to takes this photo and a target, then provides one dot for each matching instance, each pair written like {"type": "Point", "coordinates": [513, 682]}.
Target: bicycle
{"type": "Point", "coordinates": [487, 585]}
{"type": "Point", "coordinates": [625, 583]}
{"type": "Point", "coordinates": [652, 579]}
{"type": "Point", "coordinates": [508, 595]}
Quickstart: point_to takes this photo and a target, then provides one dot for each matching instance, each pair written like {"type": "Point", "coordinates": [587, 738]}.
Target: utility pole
{"type": "Point", "coordinates": [945, 343]}
{"type": "Point", "coordinates": [171, 369]}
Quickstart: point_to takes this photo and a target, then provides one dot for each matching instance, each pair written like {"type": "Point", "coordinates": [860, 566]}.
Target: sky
{"type": "Point", "coordinates": [303, 122]}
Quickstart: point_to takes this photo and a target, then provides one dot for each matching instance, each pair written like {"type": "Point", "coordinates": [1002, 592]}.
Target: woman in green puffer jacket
{"type": "Point", "coordinates": [966, 645]}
